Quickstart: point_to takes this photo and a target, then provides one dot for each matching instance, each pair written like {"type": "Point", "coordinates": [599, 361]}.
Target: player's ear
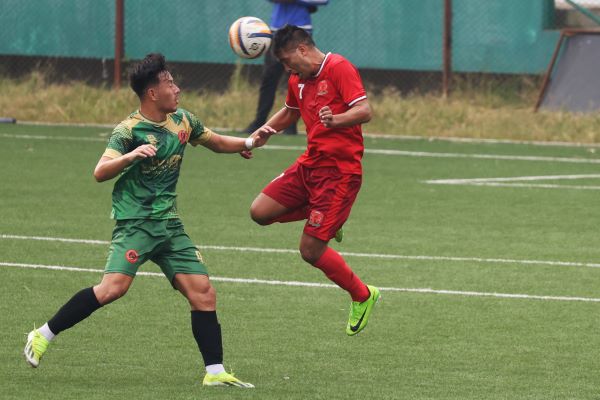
{"type": "Point", "coordinates": [302, 49]}
{"type": "Point", "coordinates": [152, 93]}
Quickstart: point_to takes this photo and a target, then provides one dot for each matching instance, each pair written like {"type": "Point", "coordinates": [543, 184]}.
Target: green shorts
{"type": "Point", "coordinates": [135, 241]}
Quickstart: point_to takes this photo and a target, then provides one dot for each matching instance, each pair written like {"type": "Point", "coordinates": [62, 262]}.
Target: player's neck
{"type": "Point", "coordinates": [317, 59]}
{"type": "Point", "coordinates": [152, 114]}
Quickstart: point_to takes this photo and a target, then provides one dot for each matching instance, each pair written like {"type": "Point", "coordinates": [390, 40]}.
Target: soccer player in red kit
{"type": "Point", "coordinates": [321, 186]}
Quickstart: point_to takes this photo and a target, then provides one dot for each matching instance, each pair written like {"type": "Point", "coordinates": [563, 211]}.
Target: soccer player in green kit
{"type": "Point", "coordinates": [145, 151]}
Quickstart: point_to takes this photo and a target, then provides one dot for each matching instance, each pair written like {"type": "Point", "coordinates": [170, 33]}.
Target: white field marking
{"type": "Point", "coordinates": [374, 135]}
{"type": "Point", "coordinates": [480, 140]}
{"type": "Point", "coordinates": [347, 254]}
{"type": "Point", "coordinates": [43, 137]}
{"type": "Point", "coordinates": [99, 125]}
{"type": "Point", "coordinates": [535, 185]}
{"type": "Point", "coordinates": [66, 124]}
{"type": "Point", "coordinates": [387, 152]}
{"type": "Point", "coordinates": [510, 181]}
{"type": "Point", "coordinates": [323, 285]}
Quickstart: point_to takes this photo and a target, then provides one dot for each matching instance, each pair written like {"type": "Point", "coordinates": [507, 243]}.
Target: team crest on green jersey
{"type": "Point", "coordinates": [152, 140]}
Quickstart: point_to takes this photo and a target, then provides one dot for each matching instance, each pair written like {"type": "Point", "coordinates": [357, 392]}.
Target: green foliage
{"type": "Point", "coordinates": [477, 107]}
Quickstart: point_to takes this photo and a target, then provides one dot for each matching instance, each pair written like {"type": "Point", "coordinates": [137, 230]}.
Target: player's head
{"type": "Point", "coordinates": [295, 49]}
{"type": "Point", "coordinates": [151, 80]}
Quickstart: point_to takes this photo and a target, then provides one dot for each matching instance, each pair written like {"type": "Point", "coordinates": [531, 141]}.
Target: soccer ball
{"type": "Point", "coordinates": [249, 37]}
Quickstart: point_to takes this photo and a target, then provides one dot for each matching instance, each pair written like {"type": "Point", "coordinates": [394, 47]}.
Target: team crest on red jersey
{"type": "Point", "coordinates": [316, 218]}
{"type": "Point", "coordinates": [132, 256]}
{"type": "Point", "coordinates": [322, 88]}
{"type": "Point", "coordinates": [183, 136]}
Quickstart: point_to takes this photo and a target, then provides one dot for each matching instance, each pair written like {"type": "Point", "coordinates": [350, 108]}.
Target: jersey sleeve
{"type": "Point", "coordinates": [291, 100]}
{"type": "Point", "coordinates": [347, 79]}
{"type": "Point", "coordinates": [120, 142]}
{"type": "Point", "coordinates": [199, 133]}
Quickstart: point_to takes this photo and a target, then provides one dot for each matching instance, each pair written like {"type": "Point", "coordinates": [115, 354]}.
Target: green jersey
{"type": "Point", "coordinates": [146, 189]}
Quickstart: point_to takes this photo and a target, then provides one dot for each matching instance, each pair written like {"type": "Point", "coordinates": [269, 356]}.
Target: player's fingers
{"type": "Point", "coordinates": [268, 129]}
{"type": "Point", "coordinates": [246, 154]}
{"type": "Point", "coordinates": [148, 152]}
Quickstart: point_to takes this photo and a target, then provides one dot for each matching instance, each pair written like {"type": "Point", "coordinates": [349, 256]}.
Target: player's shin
{"type": "Point", "coordinates": [336, 269]}
{"type": "Point", "coordinates": [207, 332]}
{"type": "Point", "coordinates": [78, 308]}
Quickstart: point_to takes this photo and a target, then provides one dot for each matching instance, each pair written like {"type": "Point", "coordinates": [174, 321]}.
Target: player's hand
{"type": "Point", "coordinates": [262, 135]}
{"type": "Point", "coordinates": [247, 154]}
{"type": "Point", "coordinates": [143, 151]}
{"type": "Point", "coordinates": [326, 117]}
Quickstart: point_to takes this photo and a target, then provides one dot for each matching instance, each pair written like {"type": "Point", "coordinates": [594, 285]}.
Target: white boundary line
{"type": "Point", "coordinates": [510, 181]}
{"type": "Point", "coordinates": [346, 254]}
{"type": "Point", "coordinates": [388, 152]}
{"type": "Point", "coordinates": [324, 285]}
{"type": "Point", "coordinates": [373, 135]}
{"type": "Point", "coordinates": [481, 140]}
{"type": "Point", "coordinates": [45, 137]}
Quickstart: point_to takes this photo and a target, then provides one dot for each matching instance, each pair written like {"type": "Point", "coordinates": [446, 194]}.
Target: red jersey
{"type": "Point", "coordinates": [337, 85]}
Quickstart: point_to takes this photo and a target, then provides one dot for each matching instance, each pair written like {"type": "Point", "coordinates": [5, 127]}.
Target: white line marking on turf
{"type": "Point", "coordinates": [43, 137]}
{"type": "Point", "coordinates": [323, 285]}
{"type": "Point", "coordinates": [366, 134]}
{"type": "Point", "coordinates": [388, 152]}
{"type": "Point", "coordinates": [479, 140]}
{"type": "Point", "coordinates": [510, 181]}
{"type": "Point", "coordinates": [347, 254]}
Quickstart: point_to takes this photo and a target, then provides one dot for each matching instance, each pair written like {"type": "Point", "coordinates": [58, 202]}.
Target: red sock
{"type": "Point", "coordinates": [336, 269]}
{"type": "Point", "coordinates": [294, 215]}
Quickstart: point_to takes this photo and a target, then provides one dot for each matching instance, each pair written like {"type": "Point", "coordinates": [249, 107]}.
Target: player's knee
{"type": "Point", "coordinates": [258, 215]}
{"type": "Point", "coordinates": [108, 293]}
{"type": "Point", "coordinates": [309, 254]}
{"type": "Point", "coordinates": [202, 298]}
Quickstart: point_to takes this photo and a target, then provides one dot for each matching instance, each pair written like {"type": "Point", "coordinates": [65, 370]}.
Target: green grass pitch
{"type": "Point", "coordinates": [289, 340]}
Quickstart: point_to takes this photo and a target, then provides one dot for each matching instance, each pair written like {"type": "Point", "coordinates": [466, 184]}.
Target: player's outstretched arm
{"type": "Point", "coordinates": [107, 167]}
{"type": "Point", "coordinates": [359, 113]}
{"type": "Point", "coordinates": [283, 118]}
{"type": "Point", "coordinates": [231, 144]}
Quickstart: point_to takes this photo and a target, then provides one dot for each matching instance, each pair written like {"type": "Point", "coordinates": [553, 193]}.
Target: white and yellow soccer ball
{"type": "Point", "coordinates": [249, 37]}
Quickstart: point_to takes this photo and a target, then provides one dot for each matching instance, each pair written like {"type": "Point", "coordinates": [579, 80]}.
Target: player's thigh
{"type": "Point", "coordinates": [179, 255]}
{"type": "Point", "coordinates": [331, 201]}
{"type": "Point", "coordinates": [284, 193]}
{"type": "Point", "coordinates": [133, 242]}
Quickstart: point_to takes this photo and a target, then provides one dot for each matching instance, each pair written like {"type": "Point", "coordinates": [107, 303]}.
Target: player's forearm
{"type": "Point", "coordinates": [359, 114]}
{"type": "Point", "coordinates": [109, 168]}
{"type": "Point", "coordinates": [283, 118]}
{"type": "Point", "coordinates": [226, 144]}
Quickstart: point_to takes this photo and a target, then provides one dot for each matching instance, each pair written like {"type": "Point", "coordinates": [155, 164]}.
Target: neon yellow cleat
{"type": "Point", "coordinates": [35, 348]}
{"type": "Point", "coordinates": [224, 379]}
{"type": "Point", "coordinates": [360, 312]}
{"type": "Point", "coordinates": [339, 235]}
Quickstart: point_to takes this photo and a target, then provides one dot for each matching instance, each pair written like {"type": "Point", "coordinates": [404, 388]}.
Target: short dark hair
{"type": "Point", "coordinates": [290, 36]}
{"type": "Point", "coordinates": [147, 72]}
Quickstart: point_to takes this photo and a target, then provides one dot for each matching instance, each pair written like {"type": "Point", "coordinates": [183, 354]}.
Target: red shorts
{"type": "Point", "coordinates": [328, 193]}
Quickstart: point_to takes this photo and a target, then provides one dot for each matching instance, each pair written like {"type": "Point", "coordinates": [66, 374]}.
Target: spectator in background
{"type": "Point", "coordinates": [285, 12]}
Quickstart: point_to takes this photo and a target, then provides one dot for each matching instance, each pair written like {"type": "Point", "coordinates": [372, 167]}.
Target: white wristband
{"type": "Point", "coordinates": [249, 142]}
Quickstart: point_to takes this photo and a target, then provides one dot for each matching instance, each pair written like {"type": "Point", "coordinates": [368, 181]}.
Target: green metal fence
{"type": "Point", "coordinates": [490, 36]}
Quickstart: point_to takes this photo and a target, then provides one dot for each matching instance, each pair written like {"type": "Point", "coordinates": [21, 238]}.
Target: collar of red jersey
{"type": "Point", "coordinates": [322, 64]}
